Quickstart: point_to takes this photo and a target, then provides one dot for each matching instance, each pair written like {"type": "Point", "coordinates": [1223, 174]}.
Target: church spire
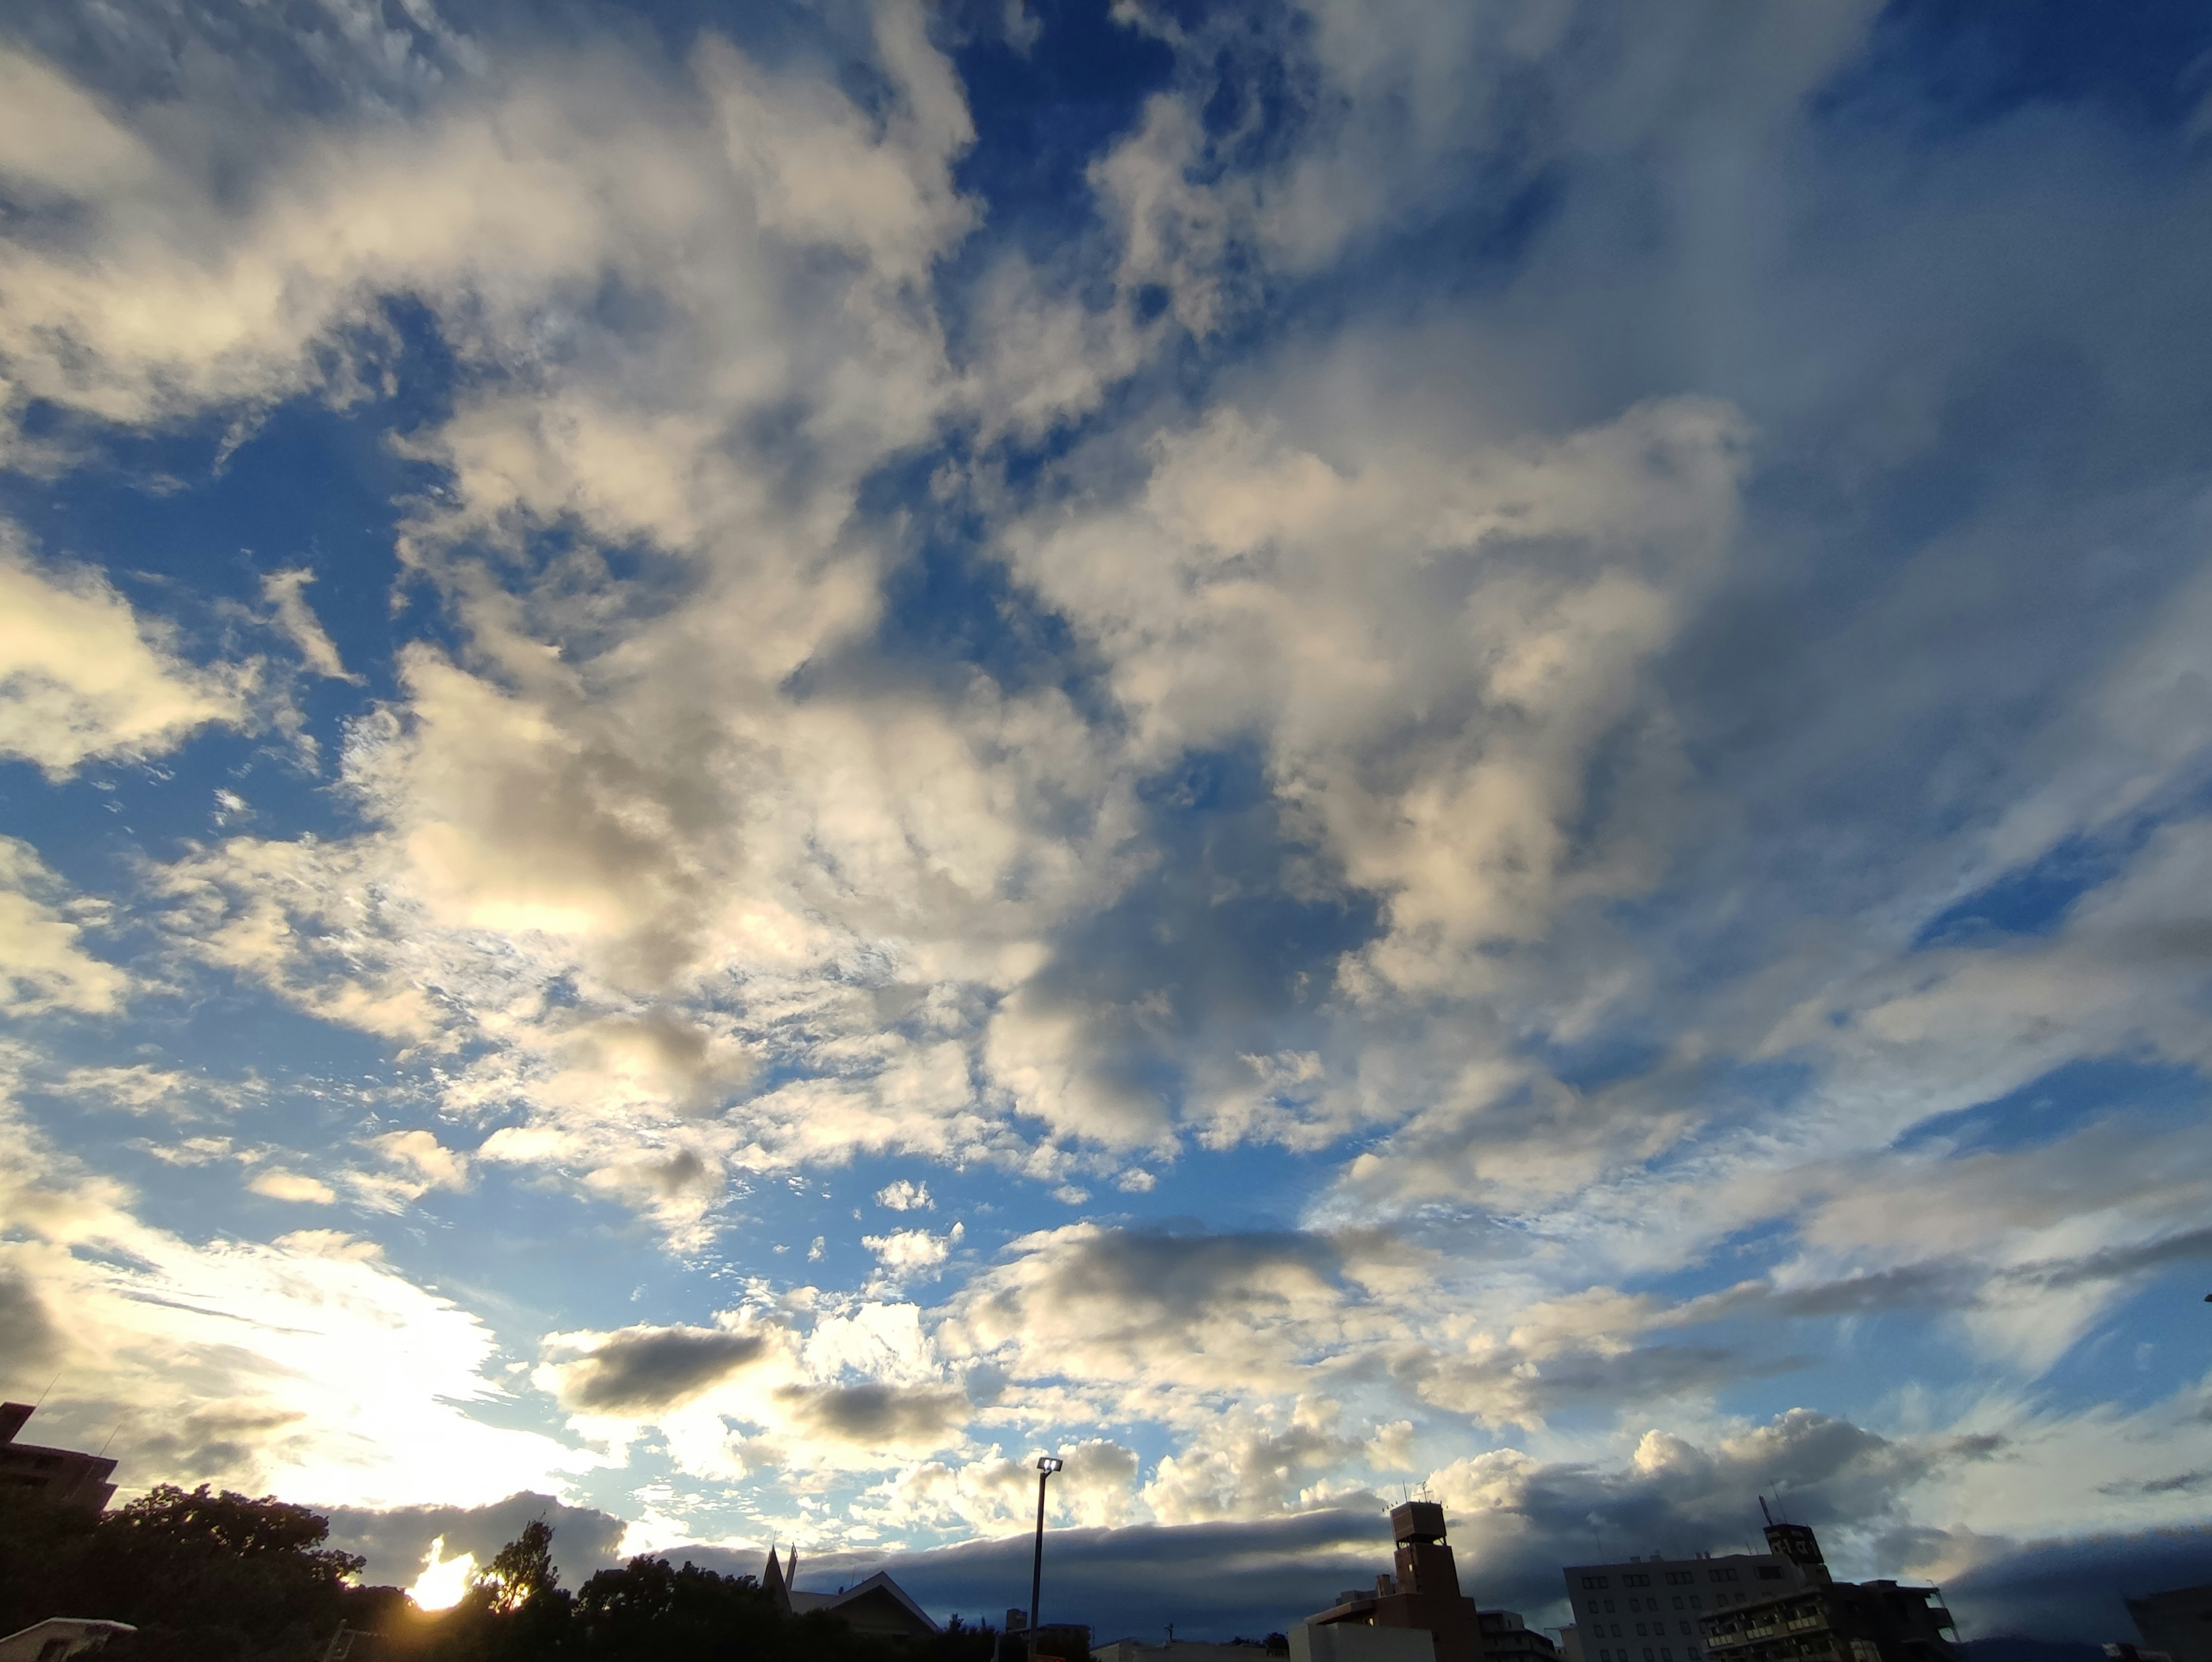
{"type": "Point", "coordinates": [773, 1583]}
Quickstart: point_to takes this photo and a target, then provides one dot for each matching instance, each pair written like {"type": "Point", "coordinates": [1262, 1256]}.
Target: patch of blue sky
{"type": "Point", "coordinates": [1043, 112]}
{"type": "Point", "coordinates": [950, 608]}
{"type": "Point", "coordinates": [1955, 64]}
{"type": "Point", "coordinates": [2069, 1099]}
{"type": "Point", "coordinates": [2031, 900]}
{"type": "Point", "coordinates": [2144, 1347]}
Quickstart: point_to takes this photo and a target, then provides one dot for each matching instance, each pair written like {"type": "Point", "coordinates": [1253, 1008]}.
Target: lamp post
{"type": "Point", "coordinates": [1047, 1464]}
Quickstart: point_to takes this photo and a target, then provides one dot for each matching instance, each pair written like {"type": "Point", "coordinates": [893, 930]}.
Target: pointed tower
{"type": "Point", "coordinates": [790, 1573]}
{"type": "Point", "coordinates": [774, 1582]}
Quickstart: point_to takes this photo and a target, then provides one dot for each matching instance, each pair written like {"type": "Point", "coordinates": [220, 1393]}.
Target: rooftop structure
{"type": "Point", "coordinates": [64, 1474]}
{"type": "Point", "coordinates": [60, 1637]}
{"type": "Point", "coordinates": [2178, 1622]}
{"type": "Point", "coordinates": [877, 1605]}
{"type": "Point", "coordinates": [1424, 1592]}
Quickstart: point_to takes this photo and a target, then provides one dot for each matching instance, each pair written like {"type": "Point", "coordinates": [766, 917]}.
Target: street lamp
{"type": "Point", "coordinates": [1047, 1464]}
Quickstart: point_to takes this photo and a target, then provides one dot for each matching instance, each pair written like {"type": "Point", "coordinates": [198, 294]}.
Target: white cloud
{"type": "Point", "coordinates": [307, 1366]}
{"type": "Point", "coordinates": [277, 1184]}
{"type": "Point", "coordinates": [43, 966]}
{"type": "Point", "coordinates": [904, 1254]}
{"type": "Point", "coordinates": [284, 590]}
{"type": "Point", "coordinates": [666, 878]}
{"type": "Point", "coordinates": [83, 677]}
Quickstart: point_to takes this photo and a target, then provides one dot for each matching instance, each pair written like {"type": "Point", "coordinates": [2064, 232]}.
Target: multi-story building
{"type": "Point", "coordinates": [1507, 1638]}
{"type": "Point", "coordinates": [64, 1474]}
{"type": "Point", "coordinates": [1423, 1594]}
{"type": "Point", "coordinates": [2179, 1623]}
{"type": "Point", "coordinates": [1647, 1609]}
{"type": "Point", "coordinates": [1824, 1619]}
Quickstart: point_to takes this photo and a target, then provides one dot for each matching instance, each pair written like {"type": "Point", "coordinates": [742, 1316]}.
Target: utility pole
{"type": "Point", "coordinates": [1047, 1464]}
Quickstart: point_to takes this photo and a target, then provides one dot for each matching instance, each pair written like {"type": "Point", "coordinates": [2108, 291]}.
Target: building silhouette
{"type": "Point", "coordinates": [64, 1474]}
{"type": "Point", "coordinates": [1423, 1594]}
{"type": "Point", "coordinates": [1507, 1638]}
{"type": "Point", "coordinates": [877, 1606]}
{"type": "Point", "coordinates": [1824, 1619]}
{"type": "Point", "coordinates": [1647, 1609]}
{"type": "Point", "coordinates": [2177, 1623]}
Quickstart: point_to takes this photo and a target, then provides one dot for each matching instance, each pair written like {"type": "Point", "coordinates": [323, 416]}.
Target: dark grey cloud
{"type": "Point", "coordinates": [643, 1369]}
{"type": "Point", "coordinates": [1207, 1578]}
{"type": "Point", "coordinates": [2115, 1264]}
{"type": "Point", "coordinates": [1941, 1283]}
{"type": "Point", "coordinates": [1514, 1526]}
{"type": "Point", "coordinates": [1514, 1388]}
{"type": "Point", "coordinates": [28, 1338]}
{"type": "Point", "coordinates": [2073, 1589]}
{"type": "Point", "coordinates": [877, 1415]}
{"type": "Point", "coordinates": [217, 1444]}
{"type": "Point", "coordinates": [397, 1540]}
{"type": "Point", "coordinates": [1233, 1311]}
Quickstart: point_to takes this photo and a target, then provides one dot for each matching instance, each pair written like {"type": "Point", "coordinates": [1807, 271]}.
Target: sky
{"type": "Point", "coordinates": [753, 758]}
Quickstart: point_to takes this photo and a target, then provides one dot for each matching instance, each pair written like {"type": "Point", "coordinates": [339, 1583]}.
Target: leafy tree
{"type": "Point", "coordinates": [203, 1577]}
{"type": "Point", "coordinates": [224, 1577]}
{"type": "Point", "coordinates": [523, 1569]}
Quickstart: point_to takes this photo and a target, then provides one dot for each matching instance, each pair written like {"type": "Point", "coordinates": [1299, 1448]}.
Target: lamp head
{"type": "Point", "coordinates": [1048, 1463]}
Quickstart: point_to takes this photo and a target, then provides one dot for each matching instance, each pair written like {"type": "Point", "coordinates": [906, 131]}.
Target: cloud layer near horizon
{"type": "Point", "coordinates": [1466, 746]}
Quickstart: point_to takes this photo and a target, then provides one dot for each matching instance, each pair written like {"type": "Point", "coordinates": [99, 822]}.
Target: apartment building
{"type": "Point", "coordinates": [1647, 1609]}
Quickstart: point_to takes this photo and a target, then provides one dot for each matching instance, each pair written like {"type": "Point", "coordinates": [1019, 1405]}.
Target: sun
{"type": "Point", "coordinates": [443, 1579]}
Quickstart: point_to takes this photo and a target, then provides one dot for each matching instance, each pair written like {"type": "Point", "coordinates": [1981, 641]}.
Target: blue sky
{"type": "Point", "coordinates": [755, 758]}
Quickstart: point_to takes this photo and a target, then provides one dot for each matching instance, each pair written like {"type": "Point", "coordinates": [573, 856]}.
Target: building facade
{"type": "Point", "coordinates": [64, 1474]}
{"type": "Point", "coordinates": [1177, 1650]}
{"type": "Point", "coordinates": [1824, 1619]}
{"type": "Point", "coordinates": [1507, 1638]}
{"type": "Point", "coordinates": [1348, 1642]}
{"type": "Point", "coordinates": [1648, 1610]}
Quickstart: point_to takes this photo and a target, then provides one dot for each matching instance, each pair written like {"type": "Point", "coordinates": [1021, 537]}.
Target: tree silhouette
{"type": "Point", "coordinates": [523, 1569]}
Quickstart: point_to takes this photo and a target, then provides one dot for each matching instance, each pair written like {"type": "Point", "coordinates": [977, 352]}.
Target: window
{"type": "Point", "coordinates": [1769, 1571]}
{"type": "Point", "coordinates": [1608, 1607]}
{"type": "Point", "coordinates": [1592, 1581]}
{"type": "Point", "coordinates": [1693, 1601]}
{"type": "Point", "coordinates": [1666, 1655]}
{"type": "Point", "coordinates": [1647, 1653]}
{"type": "Point", "coordinates": [1723, 1575]}
{"type": "Point", "coordinates": [1634, 1605]}
{"type": "Point", "coordinates": [1635, 1581]}
{"type": "Point", "coordinates": [1678, 1601]}
{"type": "Point", "coordinates": [1679, 1578]}
{"type": "Point", "coordinates": [1687, 1629]}
{"type": "Point", "coordinates": [1640, 1634]}
{"type": "Point", "coordinates": [1691, 1652]}
{"type": "Point", "coordinates": [1604, 1656]}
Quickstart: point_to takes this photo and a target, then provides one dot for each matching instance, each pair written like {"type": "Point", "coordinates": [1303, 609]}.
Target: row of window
{"type": "Point", "coordinates": [1681, 1578]}
{"type": "Point", "coordinates": [1604, 1606]}
{"type": "Point", "coordinates": [1656, 1630]}
{"type": "Point", "coordinates": [1664, 1655]}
